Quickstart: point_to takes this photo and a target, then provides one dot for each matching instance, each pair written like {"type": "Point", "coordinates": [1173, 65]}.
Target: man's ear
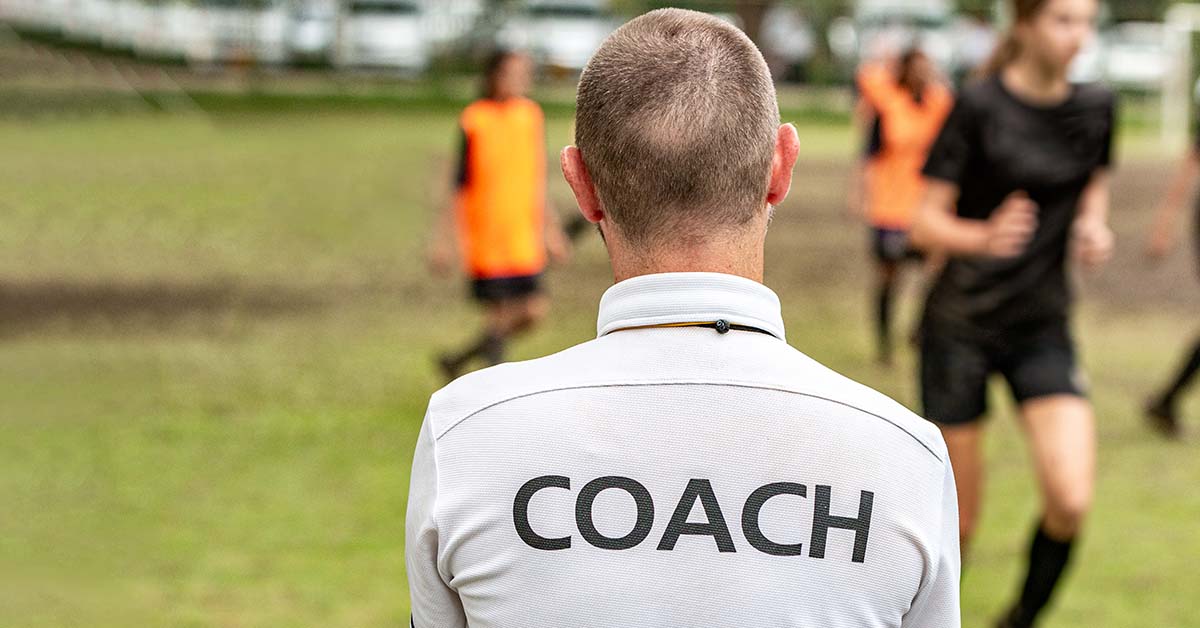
{"type": "Point", "coordinates": [787, 148]}
{"type": "Point", "coordinates": [576, 174]}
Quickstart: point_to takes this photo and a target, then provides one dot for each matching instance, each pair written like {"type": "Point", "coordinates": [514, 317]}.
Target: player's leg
{"type": "Point", "coordinates": [1163, 408]}
{"type": "Point", "coordinates": [1061, 428]}
{"type": "Point", "coordinates": [954, 375]}
{"type": "Point", "coordinates": [498, 315]}
{"type": "Point", "coordinates": [502, 311]}
{"type": "Point", "coordinates": [508, 318]}
{"type": "Point", "coordinates": [888, 248]}
{"type": "Point", "coordinates": [965, 444]}
{"type": "Point", "coordinates": [885, 290]}
{"type": "Point", "coordinates": [531, 310]}
{"type": "Point", "coordinates": [504, 319]}
{"type": "Point", "coordinates": [927, 267]}
{"type": "Point", "coordinates": [1062, 437]}
{"type": "Point", "coordinates": [512, 305]}
{"type": "Point", "coordinates": [526, 305]}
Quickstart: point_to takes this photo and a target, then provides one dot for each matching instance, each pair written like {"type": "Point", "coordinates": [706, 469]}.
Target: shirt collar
{"type": "Point", "coordinates": [673, 298]}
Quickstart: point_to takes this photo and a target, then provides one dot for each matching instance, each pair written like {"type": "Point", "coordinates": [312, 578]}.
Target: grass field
{"type": "Point", "coordinates": [215, 335]}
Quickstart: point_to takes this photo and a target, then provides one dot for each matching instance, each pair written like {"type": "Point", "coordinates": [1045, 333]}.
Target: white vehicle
{"type": "Point", "coordinates": [886, 27]}
{"type": "Point", "coordinates": [312, 30]}
{"type": "Point", "coordinates": [85, 20]}
{"type": "Point", "coordinates": [559, 34]}
{"type": "Point", "coordinates": [41, 15]}
{"type": "Point", "coordinates": [1135, 55]}
{"type": "Point", "coordinates": [1088, 66]}
{"type": "Point", "coordinates": [126, 19]}
{"type": "Point", "coordinates": [974, 42]}
{"type": "Point", "coordinates": [383, 34]}
{"type": "Point", "coordinates": [170, 31]}
{"type": "Point", "coordinates": [233, 31]}
{"type": "Point", "coordinates": [788, 41]}
{"type": "Point", "coordinates": [448, 23]}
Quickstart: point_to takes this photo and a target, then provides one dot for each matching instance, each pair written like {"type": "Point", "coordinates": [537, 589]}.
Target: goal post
{"type": "Point", "coordinates": [1182, 22]}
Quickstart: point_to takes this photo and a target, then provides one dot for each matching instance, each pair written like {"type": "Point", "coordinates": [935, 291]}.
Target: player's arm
{"type": "Point", "coordinates": [440, 252]}
{"type": "Point", "coordinates": [867, 83]}
{"type": "Point", "coordinates": [871, 133]}
{"type": "Point", "coordinates": [938, 229]}
{"type": "Point", "coordinates": [860, 183]}
{"type": "Point", "coordinates": [1092, 238]}
{"type": "Point", "coordinates": [433, 603]}
{"type": "Point", "coordinates": [937, 602]}
{"type": "Point", "coordinates": [1166, 218]}
{"type": "Point", "coordinates": [874, 82]}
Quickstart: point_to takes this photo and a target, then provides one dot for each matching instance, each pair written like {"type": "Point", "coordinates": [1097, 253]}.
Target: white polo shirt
{"type": "Point", "coordinates": [666, 476]}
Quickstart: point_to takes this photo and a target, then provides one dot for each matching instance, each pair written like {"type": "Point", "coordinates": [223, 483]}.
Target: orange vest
{"type": "Point", "coordinates": [908, 130]}
{"type": "Point", "coordinates": [501, 204]}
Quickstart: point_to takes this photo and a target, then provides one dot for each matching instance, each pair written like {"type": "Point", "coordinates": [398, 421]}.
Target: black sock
{"type": "Point", "coordinates": [489, 346]}
{"type": "Point", "coordinates": [493, 350]}
{"type": "Point", "coordinates": [1048, 559]}
{"type": "Point", "coordinates": [883, 319]}
{"type": "Point", "coordinates": [1185, 377]}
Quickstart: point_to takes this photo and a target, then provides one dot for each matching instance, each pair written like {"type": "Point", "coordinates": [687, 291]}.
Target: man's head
{"type": "Point", "coordinates": [679, 145]}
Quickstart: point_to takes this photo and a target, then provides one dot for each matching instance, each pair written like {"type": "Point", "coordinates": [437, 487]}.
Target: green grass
{"type": "Point", "coordinates": [214, 356]}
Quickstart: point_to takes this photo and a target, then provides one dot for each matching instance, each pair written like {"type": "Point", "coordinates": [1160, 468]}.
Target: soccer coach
{"type": "Point", "coordinates": [687, 467]}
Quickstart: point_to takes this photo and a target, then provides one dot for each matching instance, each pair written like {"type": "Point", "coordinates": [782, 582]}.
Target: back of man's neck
{"type": "Point", "coordinates": [728, 265]}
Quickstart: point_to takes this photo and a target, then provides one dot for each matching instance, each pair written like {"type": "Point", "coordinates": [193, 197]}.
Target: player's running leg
{"type": "Point", "coordinates": [1062, 436]}
{"type": "Point", "coordinates": [489, 345]}
{"type": "Point", "coordinates": [531, 310]}
{"type": "Point", "coordinates": [1163, 408]}
{"type": "Point", "coordinates": [965, 444]}
{"type": "Point", "coordinates": [885, 292]}
{"type": "Point", "coordinates": [953, 377]}
{"type": "Point", "coordinates": [504, 320]}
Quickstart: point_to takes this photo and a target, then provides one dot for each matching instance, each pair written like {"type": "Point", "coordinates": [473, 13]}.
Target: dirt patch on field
{"type": "Point", "coordinates": [26, 306]}
{"type": "Point", "coordinates": [1132, 281]}
{"type": "Point", "coordinates": [814, 248]}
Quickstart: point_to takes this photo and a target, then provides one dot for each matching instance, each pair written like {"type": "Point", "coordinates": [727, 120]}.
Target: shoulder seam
{"type": "Point", "coordinates": [691, 383]}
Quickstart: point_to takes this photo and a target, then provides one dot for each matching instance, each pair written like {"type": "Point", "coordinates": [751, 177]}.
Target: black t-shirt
{"type": "Point", "coordinates": [994, 144]}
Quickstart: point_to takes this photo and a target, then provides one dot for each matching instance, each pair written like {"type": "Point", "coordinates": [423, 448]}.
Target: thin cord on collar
{"type": "Point", "coordinates": [722, 326]}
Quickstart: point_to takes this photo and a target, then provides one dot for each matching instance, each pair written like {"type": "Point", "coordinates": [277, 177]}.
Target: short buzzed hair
{"type": "Point", "coordinates": [676, 121]}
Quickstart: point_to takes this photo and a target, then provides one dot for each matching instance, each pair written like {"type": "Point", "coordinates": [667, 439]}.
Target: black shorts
{"type": "Point", "coordinates": [496, 289]}
{"type": "Point", "coordinates": [1037, 361]}
{"type": "Point", "coordinates": [891, 246]}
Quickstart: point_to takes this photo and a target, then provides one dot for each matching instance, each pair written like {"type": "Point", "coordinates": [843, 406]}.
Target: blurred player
{"type": "Point", "coordinates": [504, 227]}
{"type": "Point", "coordinates": [1018, 179]}
{"type": "Point", "coordinates": [1163, 407]}
{"type": "Point", "coordinates": [909, 106]}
